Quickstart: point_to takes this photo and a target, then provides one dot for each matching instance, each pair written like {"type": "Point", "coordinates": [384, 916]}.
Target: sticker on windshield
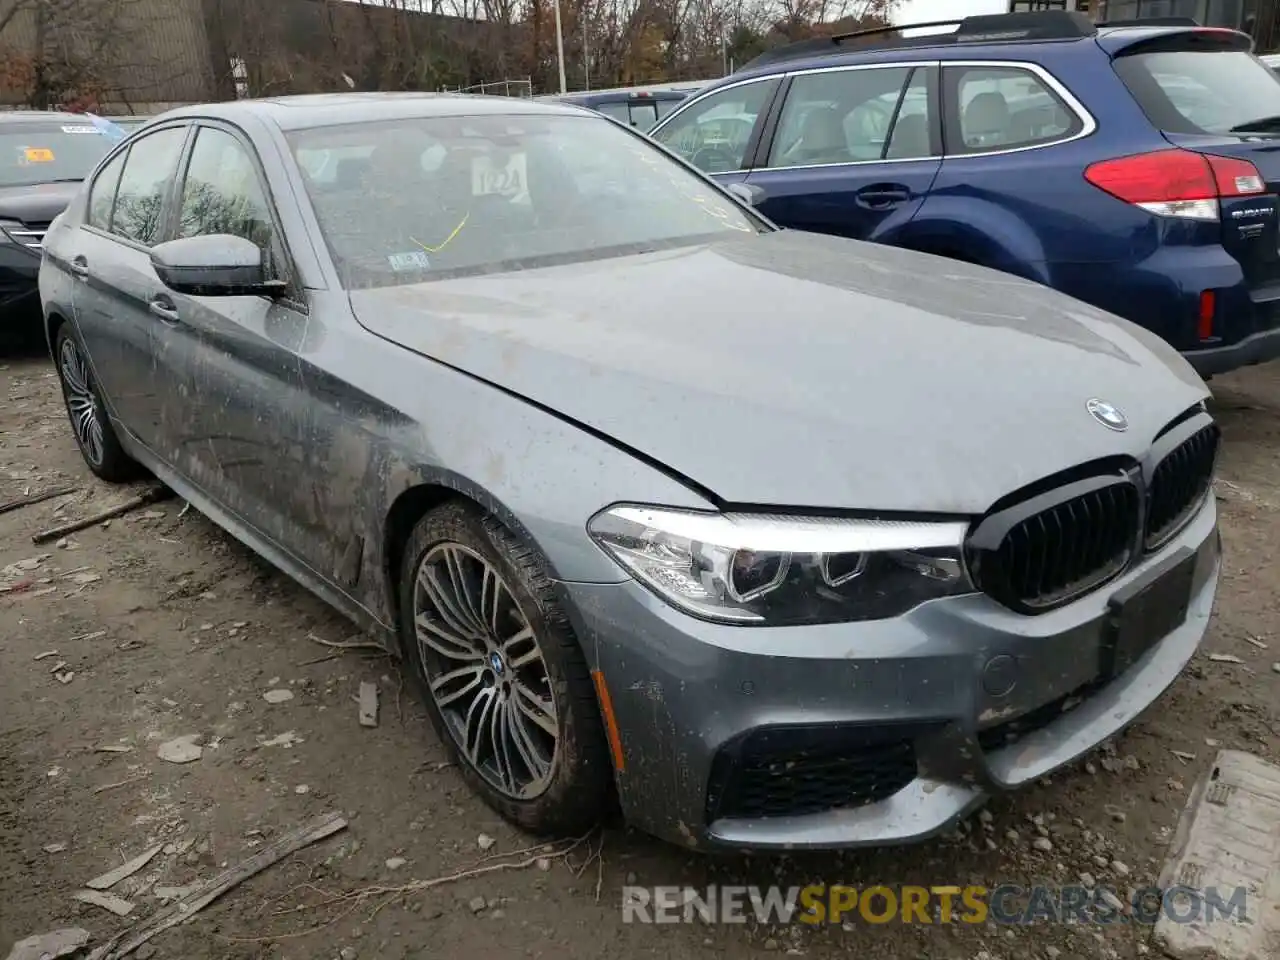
{"type": "Point", "coordinates": [509, 180]}
{"type": "Point", "coordinates": [415, 260]}
{"type": "Point", "coordinates": [81, 128]}
{"type": "Point", "coordinates": [38, 155]}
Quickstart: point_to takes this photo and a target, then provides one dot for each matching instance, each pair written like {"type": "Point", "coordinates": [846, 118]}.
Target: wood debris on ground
{"type": "Point", "coordinates": [127, 869]}
{"type": "Point", "coordinates": [368, 704]}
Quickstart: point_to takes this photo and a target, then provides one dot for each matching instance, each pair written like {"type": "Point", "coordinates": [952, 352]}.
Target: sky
{"type": "Point", "coordinates": [924, 11]}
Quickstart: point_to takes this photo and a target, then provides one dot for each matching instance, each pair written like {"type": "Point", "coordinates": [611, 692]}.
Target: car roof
{"type": "Point", "coordinates": [49, 116]}
{"type": "Point", "coordinates": [976, 37]}
{"type": "Point", "coordinates": [329, 109]}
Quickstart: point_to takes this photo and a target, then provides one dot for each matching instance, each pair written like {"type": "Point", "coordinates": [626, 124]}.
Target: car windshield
{"type": "Point", "coordinates": [408, 201]}
{"type": "Point", "coordinates": [45, 152]}
{"type": "Point", "coordinates": [1203, 91]}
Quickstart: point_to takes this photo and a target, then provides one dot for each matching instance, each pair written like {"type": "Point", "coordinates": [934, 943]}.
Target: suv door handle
{"type": "Point", "coordinates": [163, 308]}
{"type": "Point", "coordinates": [80, 267]}
{"type": "Point", "coordinates": [882, 196]}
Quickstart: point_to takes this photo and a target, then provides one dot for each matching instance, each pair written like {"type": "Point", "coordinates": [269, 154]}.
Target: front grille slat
{"type": "Point", "coordinates": [1062, 542]}
{"type": "Point", "coordinates": [32, 237]}
{"type": "Point", "coordinates": [1071, 546]}
{"type": "Point", "coordinates": [1179, 484]}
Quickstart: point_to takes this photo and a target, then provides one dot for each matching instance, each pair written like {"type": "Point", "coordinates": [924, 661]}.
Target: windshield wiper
{"type": "Point", "coordinates": [1265, 124]}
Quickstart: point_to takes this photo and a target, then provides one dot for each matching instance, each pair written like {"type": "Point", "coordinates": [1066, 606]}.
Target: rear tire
{"type": "Point", "coordinates": [90, 424]}
{"type": "Point", "coordinates": [505, 683]}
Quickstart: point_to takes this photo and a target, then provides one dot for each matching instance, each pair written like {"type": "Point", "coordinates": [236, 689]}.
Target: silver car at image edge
{"type": "Point", "coordinates": [783, 541]}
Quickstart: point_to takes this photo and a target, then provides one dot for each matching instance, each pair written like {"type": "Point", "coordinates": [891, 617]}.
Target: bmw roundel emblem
{"type": "Point", "coordinates": [1107, 414]}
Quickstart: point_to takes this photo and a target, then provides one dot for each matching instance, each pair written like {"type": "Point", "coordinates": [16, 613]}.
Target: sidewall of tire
{"type": "Point", "coordinates": [117, 466]}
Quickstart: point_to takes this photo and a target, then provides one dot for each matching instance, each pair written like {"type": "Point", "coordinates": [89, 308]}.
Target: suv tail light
{"type": "Point", "coordinates": [1176, 183]}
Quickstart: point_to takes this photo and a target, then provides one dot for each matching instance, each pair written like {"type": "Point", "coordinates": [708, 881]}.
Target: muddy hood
{"type": "Point", "coordinates": [796, 370]}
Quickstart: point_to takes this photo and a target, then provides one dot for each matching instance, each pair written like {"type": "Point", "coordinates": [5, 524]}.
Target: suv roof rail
{"type": "Point", "coordinates": [1151, 22]}
{"type": "Point", "coordinates": [984, 28]}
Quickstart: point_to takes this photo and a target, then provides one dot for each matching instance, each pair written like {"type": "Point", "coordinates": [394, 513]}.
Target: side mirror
{"type": "Point", "coordinates": [218, 265]}
{"type": "Point", "coordinates": [748, 194]}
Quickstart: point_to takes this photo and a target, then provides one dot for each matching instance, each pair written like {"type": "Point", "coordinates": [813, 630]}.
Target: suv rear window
{"type": "Point", "coordinates": [1200, 91]}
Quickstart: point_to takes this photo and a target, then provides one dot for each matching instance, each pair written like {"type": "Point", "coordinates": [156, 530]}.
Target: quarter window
{"type": "Point", "coordinates": [846, 116]}
{"type": "Point", "coordinates": [103, 192]}
{"type": "Point", "coordinates": [148, 172]}
{"type": "Point", "coordinates": [1004, 108]}
{"type": "Point", "coordinates": [713, 133]}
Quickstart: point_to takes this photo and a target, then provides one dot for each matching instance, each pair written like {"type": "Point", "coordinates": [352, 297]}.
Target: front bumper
{"type": "Point", "coordinates": [19, 290]}
{"type": "Point", "coordinates": [937, 689]}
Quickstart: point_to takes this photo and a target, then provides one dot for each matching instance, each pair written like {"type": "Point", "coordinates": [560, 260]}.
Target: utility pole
{"type": "Point", "coordinates": [564, 87]}
{"type": "Point", "coordinates": [586, 58]}
{"type": "Point", "coordinates": [724, 53]}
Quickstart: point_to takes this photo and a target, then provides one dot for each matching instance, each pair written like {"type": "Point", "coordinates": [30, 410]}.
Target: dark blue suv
{"type": "Point", "coordinates": [1133, 166]}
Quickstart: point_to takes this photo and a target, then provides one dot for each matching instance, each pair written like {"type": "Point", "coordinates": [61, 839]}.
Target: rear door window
{"type": "Point", "coordinates": [149, 172]}
{"type": "Point", "coordinates": [1203, 91]}
{"type": "Point", "coordinates": [1003, 108]}
{"type": "Point", "coordinates": [840, 116]}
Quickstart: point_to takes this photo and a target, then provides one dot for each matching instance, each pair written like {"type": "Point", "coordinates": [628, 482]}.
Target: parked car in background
{"type": "Point", "coordinates": [1132, 167]}
{"type": "Point", "coordinates": [653, 497]}
{"type": "Point", "coordinates": [639, 107]}
{"type": "Point", "coordinates": [43, 158]}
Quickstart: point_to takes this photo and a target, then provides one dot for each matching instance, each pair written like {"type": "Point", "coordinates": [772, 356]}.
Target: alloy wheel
{"type": "Point", "coordinates": [485, 670]}
{"type": "Point", "coordinates": [82, 403]}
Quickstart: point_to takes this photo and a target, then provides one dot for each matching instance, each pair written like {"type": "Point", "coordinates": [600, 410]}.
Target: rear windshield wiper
{"type": "Point", "coordinates": [1265, 124]}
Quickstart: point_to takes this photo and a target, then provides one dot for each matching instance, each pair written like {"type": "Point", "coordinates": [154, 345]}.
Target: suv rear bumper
{"type": "Point", "coordinates": [1255, 348]}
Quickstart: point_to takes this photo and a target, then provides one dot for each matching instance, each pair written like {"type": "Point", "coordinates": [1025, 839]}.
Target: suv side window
{"type": "Point", "coordinates": [838, 116]}
{"type": "Point", "coordinates": [223, 194]}
{"type": "Point", "coordinates": [713, 133]}
{"type": "Point", "coordinates": [1003, 108]}
{"type": "Point", "coordinates": [148, 172]}
{"type": "Point", "coordinates": [102, 195]}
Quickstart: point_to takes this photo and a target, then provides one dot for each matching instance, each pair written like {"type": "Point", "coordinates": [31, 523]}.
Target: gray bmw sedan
{"type": "Point", "coordinates": [781, 540]}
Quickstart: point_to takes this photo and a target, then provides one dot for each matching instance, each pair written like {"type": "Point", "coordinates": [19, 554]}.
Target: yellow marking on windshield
{"type": "Point", "coordinates": [447, 240]}
{"type": "Point", "coordinates": [39, 155]}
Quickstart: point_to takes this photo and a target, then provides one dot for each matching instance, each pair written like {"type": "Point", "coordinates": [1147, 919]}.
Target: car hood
{"type": "Point", "coordinates": [38, 203]}
{"type": "Point", "coordinates": [796, 370]}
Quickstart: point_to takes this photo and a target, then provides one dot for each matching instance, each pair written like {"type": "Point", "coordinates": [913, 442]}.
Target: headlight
{"type": "Point", "coordinates": [5, 227]}
{"type": "Point", "coordinates": [775, 570]}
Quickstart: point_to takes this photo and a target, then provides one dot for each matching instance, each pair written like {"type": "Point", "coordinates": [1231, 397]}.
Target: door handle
{"type": "Point", "coordinates": [882, 197]}
{"type": "Point", "coordinates": [163, 308]}
{"type": "Point", "coordinates": [80, 268]}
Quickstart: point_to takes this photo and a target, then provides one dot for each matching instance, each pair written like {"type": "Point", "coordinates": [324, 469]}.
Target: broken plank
{"type": "Point", "coordinates": [368, 704]}
{"type": "Point", "coordinates": [107, 901]}
{"type": "Point", "coordinates": [141, 500]}
{"type": "Point", "coordinates": [112, 877]}
{"type": "Point", "coordinates": [36, 498]}
{"type": "Point", "coordinates": [47, 946]}
{"type": "Point", "coordinates": [127, 941]}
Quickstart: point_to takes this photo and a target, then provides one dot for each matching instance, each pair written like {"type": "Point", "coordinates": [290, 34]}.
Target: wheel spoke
{"type": "Point", "coordinates": [444, 640]}
{"type": "Point", "coordinates": [476, 726]}
{"type": "Point", "coordinates": [511, 646]}
{"type": "Point", "coordinates": [446, 605]}
{"type": "Point", "coordinates": [540, 711]}
{"type": "Point", "coordinates": [465, 592]}
{"type": "Point", "coordinates": [440, 686]}
{"type": "Point", "coordinates": [491, 591]}
{"type": "Point", "coordinates": [523, 740]}
{"type": "Point", "coordinates": [502, 747]}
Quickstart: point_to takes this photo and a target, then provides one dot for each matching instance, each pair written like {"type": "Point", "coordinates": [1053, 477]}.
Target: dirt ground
{"type": "Point", "coordinates": [164, 627]}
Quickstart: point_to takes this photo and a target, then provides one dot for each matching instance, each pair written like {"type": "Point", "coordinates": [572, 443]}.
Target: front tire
{"type": "Point", "coordinates": [505, 683]}
{"type": "Point", "coordinates": [95, 436]}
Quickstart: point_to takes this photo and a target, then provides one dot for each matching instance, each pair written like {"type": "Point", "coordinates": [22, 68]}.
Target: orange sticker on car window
{"type": "Point", "coordinates": [39, 155]}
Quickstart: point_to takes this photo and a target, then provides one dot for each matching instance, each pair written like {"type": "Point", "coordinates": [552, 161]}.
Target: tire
{"type": "Point", "coordinates": [478, 697]}
{"type": "Point", "coordinates": [90, 425]}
